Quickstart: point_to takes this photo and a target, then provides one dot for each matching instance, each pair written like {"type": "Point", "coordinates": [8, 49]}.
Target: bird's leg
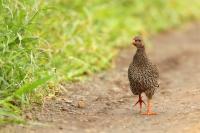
{"type": "Point", "coordinates": [140, 101]}
{"type": "Point", "coordinates": [149, 108]}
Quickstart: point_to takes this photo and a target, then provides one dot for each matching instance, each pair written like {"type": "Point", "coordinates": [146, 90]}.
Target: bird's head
{"type": "Point", "coordinates": [138, 42]}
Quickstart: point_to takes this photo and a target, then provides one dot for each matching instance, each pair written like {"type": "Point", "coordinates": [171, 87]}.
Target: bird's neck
{"type": "Point", "coordinates": [140, 56]}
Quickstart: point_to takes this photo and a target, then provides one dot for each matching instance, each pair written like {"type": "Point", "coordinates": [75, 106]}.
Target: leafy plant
{"type": "Point", "coordinates": [10, 105]}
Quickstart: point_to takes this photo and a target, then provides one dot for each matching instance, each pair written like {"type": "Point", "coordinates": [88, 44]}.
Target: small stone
{"type": "Point", "coordinates": [99, 98]}
{"type": "Point", "coordinates": [108, 104]}
{"type": "Point", "coordinates": [116, 89]}
{"type": "Point", "coordinates": [61, 128]}
{"type": "Point", "coordinates": [68, 101]}
{"type": "Point", "coordinates": [34, 109]}
{"type": "Point", "coordinates": [29, 116]}
{"type": "Point", "coordinates": [81, 104]}
{"type": "Point", "coordinates": [63, 109]}
{"type": "Point", "coordinates": [121, 100]}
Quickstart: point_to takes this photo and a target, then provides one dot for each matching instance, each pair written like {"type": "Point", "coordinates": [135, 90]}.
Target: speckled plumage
{"type": "Point", "coordinates": [143, 75]}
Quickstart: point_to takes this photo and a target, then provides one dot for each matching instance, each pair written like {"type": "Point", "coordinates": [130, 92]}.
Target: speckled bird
{"type": "Point", "coordinates": [143, 75]}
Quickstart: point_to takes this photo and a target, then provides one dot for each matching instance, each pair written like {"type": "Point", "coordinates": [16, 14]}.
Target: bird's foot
{"type": "Point", "coordinates": [149, 113]}
{"type": "Point", "coordinates": [140, 101]}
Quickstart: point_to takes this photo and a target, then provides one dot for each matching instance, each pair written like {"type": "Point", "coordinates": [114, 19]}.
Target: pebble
{"type": "Point", "coordinates": [108, 104]}
{"type": "Point", "coordinates": [61, 128]}
{"type": "Point", "coordinates": [81, 104]}
{"type": "Point", "coordinates": [116, 89]}
{"type": "Point", "coordinates": [121, 100]}
{"type": "Point", "coordinates": [67, 100]}
{"type": "Point", "coordinates": [29, 116]}
{"type": "Point", "coordinates": [63, 109]}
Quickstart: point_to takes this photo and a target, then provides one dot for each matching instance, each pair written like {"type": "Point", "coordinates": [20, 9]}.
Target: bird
{"type": "Point", "coordinates": [143, 75]}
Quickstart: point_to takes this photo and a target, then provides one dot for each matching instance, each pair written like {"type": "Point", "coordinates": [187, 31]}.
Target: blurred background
{"type": "Point", "coordinates": [70, 39]}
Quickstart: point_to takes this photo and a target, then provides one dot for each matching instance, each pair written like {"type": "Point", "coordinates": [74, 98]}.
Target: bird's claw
{"type": "Point", "coordinates": [140, 101]}
{"type": "Point", "coordinates": [149, 113]}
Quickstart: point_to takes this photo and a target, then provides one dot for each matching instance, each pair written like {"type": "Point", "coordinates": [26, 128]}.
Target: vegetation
{"type": "Point", "coordinates": [75, 37]}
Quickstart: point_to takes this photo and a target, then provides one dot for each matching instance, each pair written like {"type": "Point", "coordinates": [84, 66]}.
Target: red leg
{"type": "Point", "coordinates": [149, 109]}
{"type": "Point", "coordinates": [140, 101]}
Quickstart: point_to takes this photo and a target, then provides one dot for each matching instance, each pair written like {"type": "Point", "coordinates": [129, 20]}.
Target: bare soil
{"type": "Point", "coordinates": [104, 103]}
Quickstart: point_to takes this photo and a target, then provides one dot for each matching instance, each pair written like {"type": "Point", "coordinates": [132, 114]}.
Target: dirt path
{"type": "Point", "coordinates": [109, 102]}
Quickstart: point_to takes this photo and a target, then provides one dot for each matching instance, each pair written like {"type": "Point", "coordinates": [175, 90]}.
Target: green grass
{"type": "Point", "coordinates": [83, 36]}
{"type": "Point", "coordinates": [75, 37]}
{"type": "Point", "coordinates": [21, 60]}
